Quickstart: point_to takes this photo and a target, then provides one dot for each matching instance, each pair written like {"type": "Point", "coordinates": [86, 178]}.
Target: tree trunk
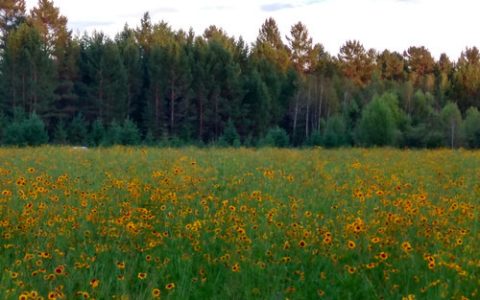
{"type": "Point", "coordinates": [100, 98]}
{"type": "Point", "coordinates": [35, 90]}
{"type": "Point", "coordinates": [157, 108]}
{"type": "Point", "coordinates": [216, 118]}
{"type": "Point", "coordinates": [320, 106]}
{"type": "Point", "coordinates": [452, 126]}
{"type": "Point", "coordinates": [24, 100]}
{"type": "Point", "coordinates": [172, 107]}
{"type": "Point", "coordinates": [295, 114]}
{"type": "Point", "coordinates": [307, 119]}
{"type": "Point", "coordinates": [200, 118]}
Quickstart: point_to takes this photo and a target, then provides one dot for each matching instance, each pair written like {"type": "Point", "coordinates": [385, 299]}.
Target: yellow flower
{"type": "Point", "coordinates": [406, 247]}
{"type": "Point", "coordinates": [156, 293]}
{"type": "Point", "coordinates": [383, 255]}
{"type": "Point", "coordinates": [351, 245]}
{"type": "Point", "coordinates": [170, 286]}
{"type": "Point", "coordinates": [302, 244]}
{"type": "Point", "coordinates": [236, 268]}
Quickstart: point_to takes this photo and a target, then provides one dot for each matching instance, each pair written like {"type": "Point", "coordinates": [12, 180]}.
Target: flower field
{"type": "Point", "coordinates": [144, 223]}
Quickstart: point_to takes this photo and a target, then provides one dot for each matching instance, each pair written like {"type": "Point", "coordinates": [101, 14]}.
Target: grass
{"type": "Point", "coordinates": [137, 223]}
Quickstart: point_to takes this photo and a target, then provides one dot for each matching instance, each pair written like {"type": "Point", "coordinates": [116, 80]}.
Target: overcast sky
{"type": "Point", "coordinates": [440, 25]}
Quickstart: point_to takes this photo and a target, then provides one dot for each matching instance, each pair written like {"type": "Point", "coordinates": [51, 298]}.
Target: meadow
{"type": "Point", "coordinates": [145, 223]}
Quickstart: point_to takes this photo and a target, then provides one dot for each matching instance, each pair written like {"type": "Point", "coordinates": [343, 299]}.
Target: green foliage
{"type": "Point", "coordinates": [113, 134]}
{"type": "Point", "coordinates": [3, 123]}
{"type": "Point", "coordinates": [377, 125]}
{"type": "Point", "coordinates": [149, 139]}
{"type": "Point", "coordinates": [96, 136]}
{"type": "Point", "coordinates": [129, 134]}
{"type": "Point", "coordinates": [315, 139]}
{"type": "Point", "coordinates": [452, 125]}
{"type": "Point", "coordinates": [186, 89]}
{"type": "Point", "coordinates": [60, 135]}
{"type": "Point", "coordinates": [335, 132]}
{"type": "Point", "coordinates": [276, 137]}
{"type": "Point", "coordinates": [472, 127]}
{"type": "Point", "coordinates": [230, 135]}
{"type": "Point", "coordinates": [27, 72]}
{"type": "Point", "coordinates": [26, 132]}
{"type": "Point", "coordinates": [77, 131]}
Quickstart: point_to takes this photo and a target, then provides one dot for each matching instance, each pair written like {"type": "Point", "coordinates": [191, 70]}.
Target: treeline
{"type": "Point", "coordinates": [159, 86]}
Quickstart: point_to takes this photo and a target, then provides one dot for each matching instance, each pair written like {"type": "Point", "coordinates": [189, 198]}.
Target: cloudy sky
{"type": "Point", "coordinates": [440, 25]}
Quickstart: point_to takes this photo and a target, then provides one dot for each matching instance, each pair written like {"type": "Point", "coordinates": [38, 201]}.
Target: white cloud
{"type": "Point", "coordinates": [440, 25]}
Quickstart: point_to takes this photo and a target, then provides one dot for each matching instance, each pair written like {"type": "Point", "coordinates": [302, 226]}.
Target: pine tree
{"type": "Point", "coordinates": [52, 26]}
{"type": "Point", "coordinates": [131, 56]}
{"type": "Point", "coordinates": [12, 14]}
{"type": "Point", "coordinates": [356, 63]}
{"type": "Point", "coordinates": [28, 73]}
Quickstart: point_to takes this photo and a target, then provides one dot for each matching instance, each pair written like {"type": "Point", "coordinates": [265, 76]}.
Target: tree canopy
{"type": "Point", "coordinates": [156, 85]}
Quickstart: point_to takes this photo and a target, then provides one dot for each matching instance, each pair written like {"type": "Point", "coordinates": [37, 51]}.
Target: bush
{"type": "Point", "coordinates": [129, 134]}
{"type": "Point", "coordinates": [472, 127]}
{"type": "Point", "coordinates": [336, 132]}
{"type": "Point", "coordinates": [60, 135]}
{"type": "Point", "coordinates": [315, 139]}
{"type": "Point", "coordinates": [230, 136]}
{"type": "Point", "coordinates": [96, 137]}
{"type": "Point", "coordinates": [113, 135]}
{"type": "Point", "coordinates": [26, 132]}
{"type": "Point", "coordinates": [276, 137]}
{"type": "Point", "coordinates": [377, 125]}
{"type": "Point", "coordinates": [77, 131]}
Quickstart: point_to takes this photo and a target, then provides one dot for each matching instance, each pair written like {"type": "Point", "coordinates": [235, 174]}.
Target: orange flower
{"type": "Point", "coordinates": [121, 265]}
{"type": "Point", "coordinates": [94, 283]}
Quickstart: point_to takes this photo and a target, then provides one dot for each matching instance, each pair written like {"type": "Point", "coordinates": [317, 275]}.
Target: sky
{"type": "Point", "coordinates": [440, 25]}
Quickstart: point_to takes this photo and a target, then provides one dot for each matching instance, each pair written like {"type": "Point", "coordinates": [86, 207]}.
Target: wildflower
{"type": "Point", "coordinates": [84, 295]}
{"type": "Point", "coordinates": [170, 286]}
{"type": "Point", "coordinates": [156, 293]}
{"type": "Point", "coordinates": [59, 270]}
{"type": "Point", "coordinates": [302, 244]}
{"type": "Point", "coordinates": [94, 283]}
{"type": "Point", "coordinates": [142, 276]}
{"type": "Point", "coordinates": [236, 268]}
{"type": "Point", "coordinates": [351, 245]}
{"type": "Point", "coordinates": [121, 265]}
{"type": "Point", "coordinates": [383, 255]}
{"type": "Point", "coordinates": [23, 296]}
{"type": "Point", "coordinates": [406, 247]}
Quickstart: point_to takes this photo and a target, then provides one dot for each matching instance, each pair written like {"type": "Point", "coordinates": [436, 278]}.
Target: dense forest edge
{"type": "Point", "coordinates": [154, 85]}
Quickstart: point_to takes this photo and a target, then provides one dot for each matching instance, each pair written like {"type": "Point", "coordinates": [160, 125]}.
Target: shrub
{"type": "Point", "coordinates": [26, 132]}
{"type": "Point", "coordinates": [276, 137]}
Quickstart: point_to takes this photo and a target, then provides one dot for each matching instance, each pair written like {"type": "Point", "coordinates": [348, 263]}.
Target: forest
{"type": "Point", "coordinates": [155, 85]}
